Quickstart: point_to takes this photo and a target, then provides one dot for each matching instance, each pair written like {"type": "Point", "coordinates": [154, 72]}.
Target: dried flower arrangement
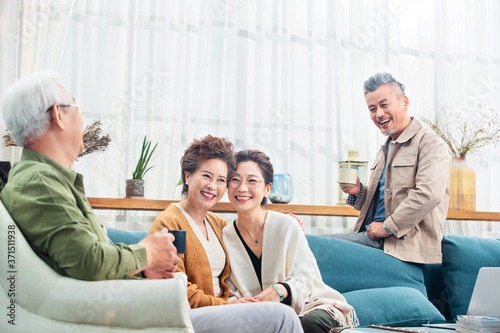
{"type": "Point", "coordinates": [7, 140]}
{"type": "Point", "coordinates": [467, 133]}
{"type": "Point", "coordinates": [92, 139]}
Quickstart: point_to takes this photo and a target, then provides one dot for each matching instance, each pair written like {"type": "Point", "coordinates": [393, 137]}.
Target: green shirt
{"type": "Point", "coordinates": [48, 203]}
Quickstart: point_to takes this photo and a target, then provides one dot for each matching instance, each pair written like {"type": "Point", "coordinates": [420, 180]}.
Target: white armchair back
{"type": "Point", "coordinates": [41, 300]}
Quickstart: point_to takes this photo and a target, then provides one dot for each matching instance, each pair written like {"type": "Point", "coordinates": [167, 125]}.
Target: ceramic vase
{"type": "Point", "coordinates": [462, 186]}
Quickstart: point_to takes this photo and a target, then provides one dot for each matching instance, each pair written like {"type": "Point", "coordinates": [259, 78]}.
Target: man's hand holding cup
{"type": "Point", "coordinates": [349, 181]}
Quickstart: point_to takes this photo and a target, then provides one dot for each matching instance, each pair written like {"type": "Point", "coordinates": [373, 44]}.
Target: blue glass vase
{"type": "Point", "coordinates": [282, 191]}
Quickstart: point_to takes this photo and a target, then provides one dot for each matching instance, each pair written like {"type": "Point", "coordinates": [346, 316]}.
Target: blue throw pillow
{"type": "Point", "coordinates": [394, 306]}
{"type": "Point", "coordinates": [127, 237]}
{"type": "Point", "coordinates": [347, 266]}
{"type": "Point", "coordinates": [463, 256]}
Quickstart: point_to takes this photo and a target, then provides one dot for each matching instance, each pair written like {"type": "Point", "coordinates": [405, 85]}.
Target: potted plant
{"type": "Point", "coordinates": [135, 186]}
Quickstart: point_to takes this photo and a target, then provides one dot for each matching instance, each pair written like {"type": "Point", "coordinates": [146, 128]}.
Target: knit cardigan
{"type": "Point", "coordinates": [195, 263]}
{"type": "Point", "coordinates": [286, 257]}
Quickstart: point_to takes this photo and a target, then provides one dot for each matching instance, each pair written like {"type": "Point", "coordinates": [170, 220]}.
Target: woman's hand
{"type": "Point", "coordinates": [271, 295]}
{"type": "Point", "coordinates": [245, 300]}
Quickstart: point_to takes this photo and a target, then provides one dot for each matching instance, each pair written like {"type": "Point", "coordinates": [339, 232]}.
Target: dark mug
{"type": "Point", "coordinates": [180, 240]}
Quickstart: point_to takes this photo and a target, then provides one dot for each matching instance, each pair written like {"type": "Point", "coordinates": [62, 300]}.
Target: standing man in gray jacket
{"type": "Point", "coordinates": [406, 201]}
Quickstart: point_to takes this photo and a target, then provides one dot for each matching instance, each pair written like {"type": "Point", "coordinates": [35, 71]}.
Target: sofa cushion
{"type": "Point", "coordinates": [127, 237]}
{"type": "Point", "coordinates": [348, 266]}
{"type": "Point", "coordinates": [393, 306]}
{"type": "Point", "coordinates": [463, 256]}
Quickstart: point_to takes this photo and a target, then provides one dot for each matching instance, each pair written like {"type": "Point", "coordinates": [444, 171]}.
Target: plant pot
{"type": "Point", "coordinates": [462, 186]}
{"type": "Point", "coordinates": [134, 188]}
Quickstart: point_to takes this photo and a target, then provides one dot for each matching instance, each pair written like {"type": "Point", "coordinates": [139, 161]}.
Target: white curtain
{"type": "Point", "coordinates": [284, 77]}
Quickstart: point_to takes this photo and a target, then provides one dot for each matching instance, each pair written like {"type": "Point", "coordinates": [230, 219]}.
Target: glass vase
{"type": "Point", "coordinates": [462, 186]}
{"type": "Point", "coordinates": [282, 191]}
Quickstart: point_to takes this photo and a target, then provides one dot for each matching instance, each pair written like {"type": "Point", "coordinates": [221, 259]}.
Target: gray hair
{"type": "Point", "coordinates": [379, 79]}
{"type": "Point", "coordinates": [25, 103]}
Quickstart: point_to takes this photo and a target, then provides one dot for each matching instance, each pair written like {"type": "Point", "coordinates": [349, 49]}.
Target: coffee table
{"type": "Point", "coordinates": [397, 329]}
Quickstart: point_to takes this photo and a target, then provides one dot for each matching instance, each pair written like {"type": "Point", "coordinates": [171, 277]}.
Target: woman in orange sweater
{"type": "Point", "coordinates": [207, 165]}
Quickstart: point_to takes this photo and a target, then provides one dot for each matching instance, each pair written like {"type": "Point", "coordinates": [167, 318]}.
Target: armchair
{"type": "Point", "coordinates": [37, 299]}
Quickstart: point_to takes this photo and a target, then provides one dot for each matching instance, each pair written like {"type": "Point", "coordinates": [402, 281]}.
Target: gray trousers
{"type": "Point", "coordinates": [361, 238]}
{"type": "Point", "coordinates": [248, 317]}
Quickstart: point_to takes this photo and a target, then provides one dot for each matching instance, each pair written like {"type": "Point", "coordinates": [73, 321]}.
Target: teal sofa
{"type": "Point", "coordinates": [386, 291]}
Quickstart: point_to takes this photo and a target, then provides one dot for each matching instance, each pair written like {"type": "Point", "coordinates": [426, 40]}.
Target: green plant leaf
{"type": "Point", "coordinates": [143, 162]}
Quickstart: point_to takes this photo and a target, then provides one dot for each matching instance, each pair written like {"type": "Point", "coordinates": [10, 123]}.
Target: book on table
{"type": "Point", "coordinates": [485, 324]}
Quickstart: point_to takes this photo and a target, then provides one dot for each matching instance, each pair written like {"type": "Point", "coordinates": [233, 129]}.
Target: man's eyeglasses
{"type": "Point", "coordinates": [251, 183]}
{"type": "Point", "coordinates": [79, 106]}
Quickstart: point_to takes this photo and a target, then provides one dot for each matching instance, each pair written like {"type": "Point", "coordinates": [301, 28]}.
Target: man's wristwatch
{"type": "Point", "coordinates": [386, 229]}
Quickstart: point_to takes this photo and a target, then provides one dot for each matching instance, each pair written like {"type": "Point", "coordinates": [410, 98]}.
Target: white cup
{"type": "Point", "coordinates": [348, 176]}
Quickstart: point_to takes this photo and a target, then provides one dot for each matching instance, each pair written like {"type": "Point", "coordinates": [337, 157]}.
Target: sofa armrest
{"type": "Point", "coordinates": [119, 303]}
{"type": "Point", "coordinates": [126, 237]}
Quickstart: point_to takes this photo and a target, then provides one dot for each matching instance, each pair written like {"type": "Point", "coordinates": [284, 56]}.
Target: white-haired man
{"type": "Point", "coordinates": [47, 200]}
{"type": "Point", "coordinates": [405, 203]}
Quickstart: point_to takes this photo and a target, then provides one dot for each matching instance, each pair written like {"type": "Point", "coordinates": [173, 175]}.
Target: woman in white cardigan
{"type": "Point", "coordinates": [269, 255]}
